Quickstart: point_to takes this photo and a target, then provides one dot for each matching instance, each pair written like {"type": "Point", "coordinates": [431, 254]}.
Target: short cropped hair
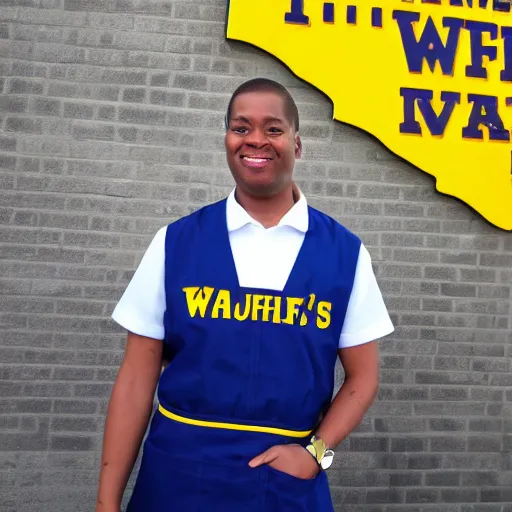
{"type": "Point", "coordinates": [266, 85]}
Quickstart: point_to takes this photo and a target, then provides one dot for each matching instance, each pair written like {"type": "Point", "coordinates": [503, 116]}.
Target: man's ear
{"type": "Point", "coordinates": [298, 146]}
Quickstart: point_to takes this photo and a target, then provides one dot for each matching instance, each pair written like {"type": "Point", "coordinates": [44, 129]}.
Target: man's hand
{"type": "Point", "coordinates": [292, 459]}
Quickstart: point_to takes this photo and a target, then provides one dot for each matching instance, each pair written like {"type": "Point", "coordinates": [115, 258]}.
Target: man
{"type": "Point", "coordinates": [253, 298]}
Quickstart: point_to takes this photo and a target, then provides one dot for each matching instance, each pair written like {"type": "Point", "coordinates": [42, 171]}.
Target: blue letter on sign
{"type": "Point", "coordinates": [497, 5]}
{"type": "Point", "coordinates": [430, 45]}
{"type": "Point", "coordinates": [506, 34]}
{"type": "Point", "coordinates": [296, 14]}
{"type": "Point", "coordinates": [485, 112]}
{"type": "Point", "coordinates": [478, 50]}
{"type": "Point", "coordinates": [436, 124]}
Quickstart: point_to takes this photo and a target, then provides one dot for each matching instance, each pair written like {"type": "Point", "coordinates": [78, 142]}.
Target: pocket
{"type": "Point", "coordinates": [281, 474]}
{"type": "Point", "coordinates": [288, 493]}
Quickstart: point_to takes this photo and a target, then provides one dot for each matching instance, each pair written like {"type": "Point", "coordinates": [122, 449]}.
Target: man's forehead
{"type": "Point", "coordinates": [258, 99]}
{"type": "Point", "coordinates": [246, 116]}
{"type": "Point", "coordinates": [261, 108]}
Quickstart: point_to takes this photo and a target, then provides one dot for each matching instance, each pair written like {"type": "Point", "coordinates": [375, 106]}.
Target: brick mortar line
{"type": "Point", "coordinates": [121, 124]}
{"type": "Point", "coordinates": [114, 31]}
{"type": "Point", "coordinates": [78, 415]}
{"type": "Point", "coordinates": [104, 400]}
{"type": "Point", "coordinates": [75, 350]}
{"type": "Point", "coordinates": [51, 380]}
{"type": "Point", "coordinates": [68, 366]}
{"type": "Point", "coordinates": [94, 178]}
{"type": "Point", "coordinates": [112, 122]}
{"type": "Point", "coordinates": [70, 213]}
{"type": "Point", "coordinates": [79, 300]}
{"type": "Point", "coordinates": [457, 330]}
{"type": "Point", "coordinates": [60, 264]}
{"type": "Point", "coordinates": [113, 13]}
{"type": "Point", "coordinates": [445, 250]}
{"type": "Point", "coordinates": [59, 383]}
{"type": "Point", "coordinates": [92, 300]}
{"type": "Point", "coordinates": [93, 250]}
{"type": "Point", "coordinates": [216, 170]}
{"type": "Point", "coordinates": [150, 53]}
{"type": "Point", "coordinates": [102, 284]}
{"type": "Point", "coordinates": [120, 335]}
{"type": "Point", "coordinates": [346, 199]}
{"type": "Point", "coordinates": [64, 212]}
{"type": "Point", "coordinates": [127, 69]}
{"type": "Point", "coordinates": [129, 145]}
{"type": "Point", "coordinates": [120, 102]}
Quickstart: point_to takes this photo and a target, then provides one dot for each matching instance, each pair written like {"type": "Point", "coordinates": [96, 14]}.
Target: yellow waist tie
{"type": "Point", "coordinates": [234, 426]}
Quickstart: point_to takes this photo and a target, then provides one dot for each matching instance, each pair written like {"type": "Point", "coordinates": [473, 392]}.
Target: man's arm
{"type": "Point", "coordinates": [128, 414]}
{"type": "Point", "coordinates": [361, 364]}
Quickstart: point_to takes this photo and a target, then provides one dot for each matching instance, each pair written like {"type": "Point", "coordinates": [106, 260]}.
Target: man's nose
{"type": "Point", "coordinates": [256, 138]}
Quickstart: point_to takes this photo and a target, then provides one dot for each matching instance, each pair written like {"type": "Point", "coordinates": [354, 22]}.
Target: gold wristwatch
{"type": "Point", "coordinates": [320, 452]}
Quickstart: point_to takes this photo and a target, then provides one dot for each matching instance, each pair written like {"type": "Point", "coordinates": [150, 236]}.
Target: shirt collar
{"type": "Point", "coordinates": [297, 217]}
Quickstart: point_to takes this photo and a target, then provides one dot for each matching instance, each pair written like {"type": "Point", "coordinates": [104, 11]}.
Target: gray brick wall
{"type": "Point", "coordinates": [111, 126]}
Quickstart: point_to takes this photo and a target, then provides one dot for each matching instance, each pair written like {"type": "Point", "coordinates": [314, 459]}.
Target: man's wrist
{"type": "Point", "coordinates": [320, 452]}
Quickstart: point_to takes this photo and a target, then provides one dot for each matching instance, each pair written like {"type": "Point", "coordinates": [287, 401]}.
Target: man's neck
{"type": "Point", "coordinates": [268, 211]}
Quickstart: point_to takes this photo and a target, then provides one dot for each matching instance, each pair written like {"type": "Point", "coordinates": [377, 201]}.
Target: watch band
{"type": "Point", "coordinates": [323, 455]}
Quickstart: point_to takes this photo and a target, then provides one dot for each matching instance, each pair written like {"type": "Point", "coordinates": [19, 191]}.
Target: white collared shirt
{"type": "Point", "coordinates": [264, 259]}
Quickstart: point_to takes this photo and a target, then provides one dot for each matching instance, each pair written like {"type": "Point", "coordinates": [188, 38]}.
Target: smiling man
{"type": "Point", "coordinates": [252, 299]}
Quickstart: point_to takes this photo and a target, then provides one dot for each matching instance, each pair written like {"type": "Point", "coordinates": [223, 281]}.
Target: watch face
{"type": "Point", "coordinates": [327, 459]}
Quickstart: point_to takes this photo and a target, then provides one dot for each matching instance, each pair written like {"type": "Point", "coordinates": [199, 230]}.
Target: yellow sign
{"type": "Point", "coordinates": [431, 79]}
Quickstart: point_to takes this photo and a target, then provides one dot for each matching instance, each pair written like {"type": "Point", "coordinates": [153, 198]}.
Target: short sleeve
{"type": "Point", "coordinates": [141, 308]}
{"type": "Point", "coordinates": [367, 317]}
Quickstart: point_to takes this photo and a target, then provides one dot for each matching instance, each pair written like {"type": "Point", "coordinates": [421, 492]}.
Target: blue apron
{"type": "Point", "coordinates": [250, 369]}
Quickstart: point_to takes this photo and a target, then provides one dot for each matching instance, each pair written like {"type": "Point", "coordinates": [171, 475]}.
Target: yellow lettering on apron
{"type": "Point", "coordinates": [198, 299]}
{"type": "Point", "coordinates": [257, 305]}
{"type": "Point", "coordinates": [267, 308]}
{"type": "Point", "coordinates": [222, 302]}
{"type": "Point", "coordinates": [311, 303]}
{"type": "Point", "coordinates": [247, 310]}
{"type": "Point", "coordinates": [276, 317]}
{"type": "Point", "coordinates": [292, 312]}
{"type": "Point", "coordinates": [323, 319]}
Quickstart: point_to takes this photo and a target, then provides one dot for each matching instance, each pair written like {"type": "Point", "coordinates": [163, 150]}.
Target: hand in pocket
{"type": "Point", "coordinates": [292, 459]}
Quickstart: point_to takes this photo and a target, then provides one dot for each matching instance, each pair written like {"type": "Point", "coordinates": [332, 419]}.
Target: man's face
{"type": "Point", "coordinates": [261, 143]}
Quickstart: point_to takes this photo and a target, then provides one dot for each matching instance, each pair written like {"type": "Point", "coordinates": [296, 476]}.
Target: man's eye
{"type": "Point", "coordinates": [275, 130]}
{"type": "Point", "coordinates": [240, 129]}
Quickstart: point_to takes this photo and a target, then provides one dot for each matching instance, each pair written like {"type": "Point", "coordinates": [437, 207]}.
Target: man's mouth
{"type": "Point", "coordinates": [256, 159]}
{"type": "Point", "coordinates": [255, 162]}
